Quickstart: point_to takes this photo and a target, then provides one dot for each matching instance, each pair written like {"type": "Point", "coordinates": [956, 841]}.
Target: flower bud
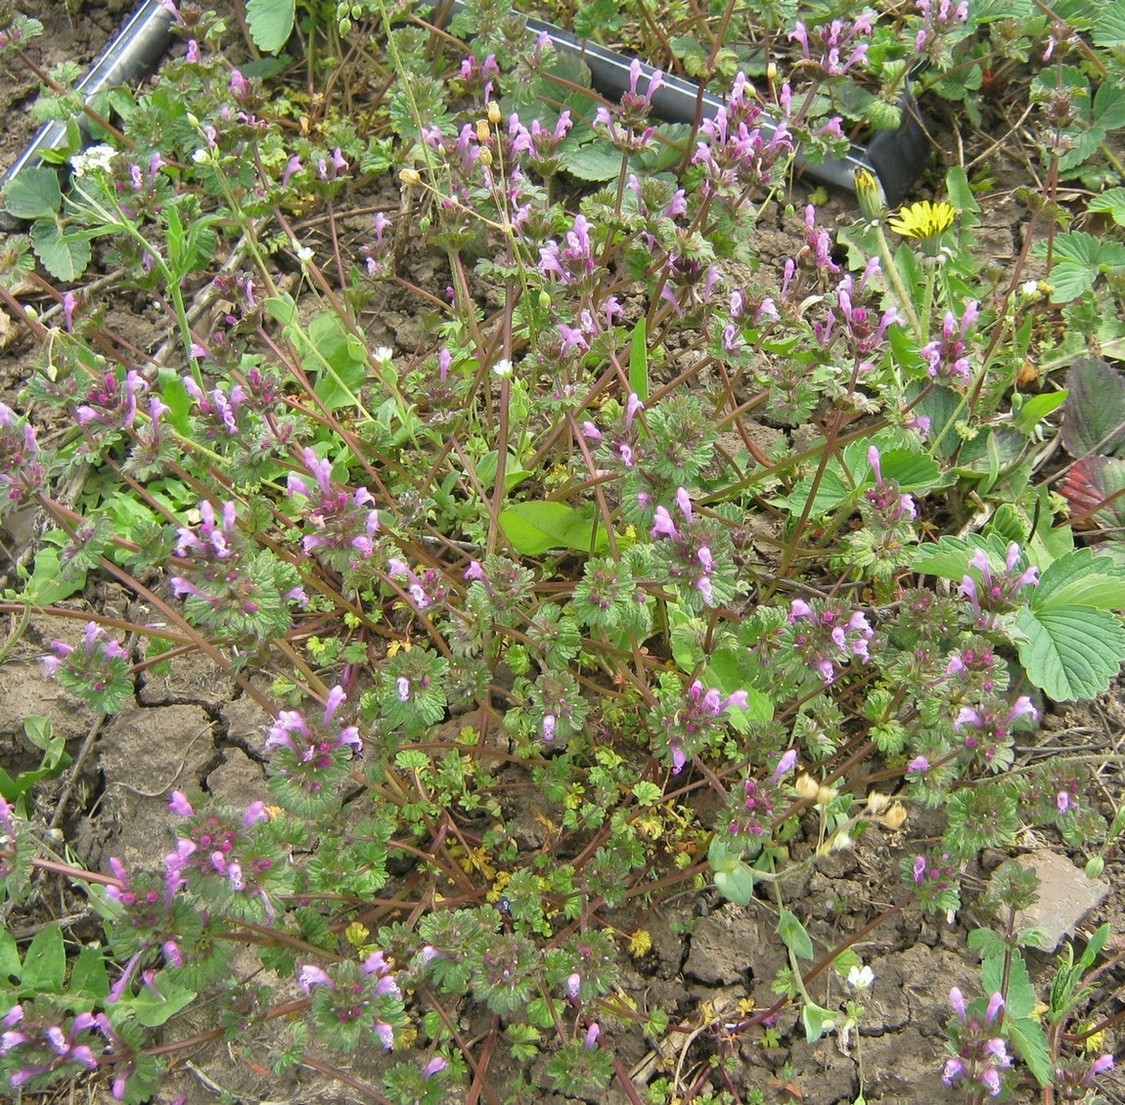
{"type": "Point", "coordinates": [807, 787]}
{"type": "Point", "coordinates": [825, 796]}
{"type": "Point", "coordinates": [771, 72]}
{"type": "Point", "coordinates": [869, 193]}
{"type": "Point", "coordinates": [895, 817]}
{"type": "Point", "coordinates": [485, 155]}
{"type": "Point", "coordinates": [483, 133]}
{"type": "Point", "coordinates": [494, 115]}
{"type": "Point", "coordinates": [410, 177]}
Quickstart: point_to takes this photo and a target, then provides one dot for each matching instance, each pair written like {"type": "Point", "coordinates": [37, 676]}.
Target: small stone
{"type": "Point", "coordinates": [1066, 895]}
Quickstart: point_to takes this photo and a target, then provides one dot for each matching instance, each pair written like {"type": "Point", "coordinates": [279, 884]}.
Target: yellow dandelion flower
{"type": "Point", "coordinates": [640, 943]}
{"type": "Point", "coordinates": [356, 934]}
{"type": "Point", "coordinates": [924, 221]}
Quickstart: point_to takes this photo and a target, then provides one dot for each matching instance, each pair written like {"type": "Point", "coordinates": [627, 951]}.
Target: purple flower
{"type": "Point", "coordinates": [179, 804]}
{"type": "Point", "coordinates": [785, 765]}
{"type": "Point", "coordinates": [310, 976]}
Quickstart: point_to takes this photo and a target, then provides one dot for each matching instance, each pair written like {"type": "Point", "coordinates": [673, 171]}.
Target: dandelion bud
{"type": "Point", "coordinates": [485, 155]}
{"type": "Point", "coordinates": [410, 177]}
{"type": "Point", "coordinates": [895, 817]}
{"type": "Point", "coordinates": [483, 133]}
{"type": "Point", "coordinates": [494, 115]}
{"type": "Point", "coordinates": [771, 72]}
{"type": "Point", "coordinates": [825, 796]}
{"type": "Point", "coordinates": [869, 193]}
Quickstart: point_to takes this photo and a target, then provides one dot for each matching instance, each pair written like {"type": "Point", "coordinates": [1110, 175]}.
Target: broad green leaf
{"type": "Point", "coordinates": [1070, 652]}
{"type": "Point", "coordinates": [48, 584]}
{"type": "Point", "coordinates": [1030, 1042]}
{"type": "Point", "coordinates": [282, 309]}
{"type": "Point", "coordinates": [10, 967]}
{"type": "Point", "coordinates": [1112, 200]}
{"type": "Point", "coordinates": [1036, 409]}
{"type": "Point", "coordinates": [732, 669]}
{"type": "Point", "coordinates": [734, 879]}
{"type": "Point", "coordinates": [1109, 27]}
{"type": "Point", "coordinates": [153, 1011]}
{"type": "Point", "coordinates": [44, 962]}
{"type": "Point", "coordinates": [593, 161]}
{"type": "Point", "coordinates": [329, 343]}
{"type": "Point", "coordinates": [33, 194]}
{"type": "Point", "coordinates": [829, 495]}
{"type": "Point", "coordinates": [535, 527]}
{"type": "Point", "coordinates": [63, 255]}
{"type": "Point", "coordinates": [88, 976]}
{"type": "Point", "coordinates": [794, 935]}
{"type": "Point", "coordinates": [948, 558]}
{"type": "Point", "coordinates": [514, 472]}
{"type": "Point", "coordinates": [638, 360]}
{"type": "Point", "coordinates": [817, 1021]}
{"type": "Point", "coordinates": [1094, 415]}
{"type": "Point", "coordinates": [1080, 579]}
{"type": "Point", "coordinates": [270, 23]}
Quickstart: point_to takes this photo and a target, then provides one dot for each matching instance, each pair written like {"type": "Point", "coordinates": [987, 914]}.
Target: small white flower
{"type": "Point", "coordinates": [96, 157]}
{"type": "Point", "coordinates": [201, 156]}
{"type": "Point", "coordinates": [503, 368]}
{"type": "Point", "coordinates": [860, 978]}
{"type": "Point", "coordinates": [383, 354]}
{"type": "Point", "coordinates": [304, 254]}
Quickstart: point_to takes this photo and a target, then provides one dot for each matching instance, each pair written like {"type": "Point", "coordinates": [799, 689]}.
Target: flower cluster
{"type": "Point", "coordinates": [947, 357]}
{"type": "Point", "coordinates": [862, 329]}
{"type": "Point", "coordinates": [683, 727]}
{"type": "Point", "coordinates": [824, 48]}
{"type": "Point", "coordinates": [99, 670]}
{"type": "Point", "coordinates": [827, 636]}
{"type": "Point", "coordinates": [227, 859]}
{"type": "Point", "coordinates": [939, 21]}
{"type": "Point", "coordinates": [22, 473]}
{"type": "Point", "coordinates": [310, 759]}
{"type": "Point", "coordinates": [887, 505]}
{"type": "Point", "coordinates": [695, 551]}
{"type": "Point", "coordinates": [36, 1045]}
{"type": "Point", "coordinates": [622, 447]}
{"type": "Point", "coordinates": [112, 402]}
{"type": "Point", "coordinates": [755, 805]}
{"type": "Point", "coordinates": [353, 1000]}
{"type": "Point", "coordinates": [626, 124]}
{"type": "Point", "coordinates": [992, 591]}
{"type": "Point", "coordinates": [341, 525]}
{"type": "Point", "coordinates": [738, 149]}
{"type": "Point", "coordinates": [934, 881]}
{"type": "Point", "coordinates": [573, 262]}
{"type": "Point", "coordinates": [987, 730]}
{"type": "Point", "coordinates": [980, 1052]}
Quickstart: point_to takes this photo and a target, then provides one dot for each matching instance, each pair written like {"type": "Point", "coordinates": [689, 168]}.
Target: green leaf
{"type": "Point", "coordinates": [153, 1009]}
{"type": "Point", "coordinates": [88, 976]}
{"type": "Point", "coordinates": [733, 669]}
{"type": "Point", "coordinates": [64, 256]}
{"type": "Point", "coordinates": [1070, 652]}
{"type": "Point", "coordinates": [593, 161]}
{"type": "Point", "coordinates": [734, 879]}
{"type": "Point", "coordinates": [48, 584]}
{"type": "Point", "coordinates": [44, 963]}
{"type": "Point", "coordinates": [328, 343]}
{"type": "Point", "coordinates": [646, 793]}
{"type": "Point", "coordinates": [1112, 200]}
{"type": "Point", "coordinates": [270, 23]}
{"type": "Point", "coordinates": [1081, 579]}
{"type": "Point", "coordinates": [1035, 409]}
{"type": "Point", "coordinates": [638, 360]}
{"type": "Point", "coordinates": [10, 968]}
{"type": "Point", "coordinates": [794, 935]}
{"type": "Point", "coordinates": [33, 194]}
{"type": "Point", "coordinates": [817, 1021]}
{"type": "Point", "coordinates": [829, 495]}
{"type": "Point", "coordinates": [1094, 416]}
{"type": "Point", "coordinates": [948, 558]}
{"type": "Point", "coordinates": [534, 527]}
{"type": "Point", "coordinates": [1030, 1042]}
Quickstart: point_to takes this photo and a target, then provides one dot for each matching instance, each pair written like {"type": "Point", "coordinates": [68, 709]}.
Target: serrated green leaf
{"type": "Point", "coordinates": [794, 935]}
{"type": "Point", "coordinates": [1112, 200]}
{"type": "Point", "coordinates": [1070, 652]}
{"type": "Point", "coordinates": [593, 161]}
{"type": "Point", "coordinates": [270, 23]}
{"type": "Point", "coordinates": [1030, 1042]}
{"type": "Point", "coordinates": [33, 194]}
{"type": "Point", "coordinates": [63, 255]}
{"type": "Point", "coordinates": [1081, 579]}
{"type": "Point", "coordinates": [44, 962]}
{"type": "Point", "coordinates": [829, 495]}
{"type": "Point", "coordinates": [948, 558]}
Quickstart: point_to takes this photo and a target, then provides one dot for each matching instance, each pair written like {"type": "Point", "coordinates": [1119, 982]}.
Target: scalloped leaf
{"type": "Point", "coordinates": [1070, 652]}
{"type": "Point", "coordinates": [270, 23]}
